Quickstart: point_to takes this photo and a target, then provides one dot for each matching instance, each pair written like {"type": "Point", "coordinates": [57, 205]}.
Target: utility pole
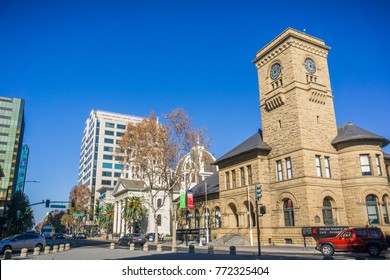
{"type": "Point", "coordinates": [258, 194]}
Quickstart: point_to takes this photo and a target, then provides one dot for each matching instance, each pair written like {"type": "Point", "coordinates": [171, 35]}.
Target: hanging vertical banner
{"type": "Point", "coordinates": [182, 199]}
{"type": "Point", "coordinates": [190, 199]}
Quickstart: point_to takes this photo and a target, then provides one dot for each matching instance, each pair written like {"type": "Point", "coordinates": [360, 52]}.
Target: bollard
{"type": "Point", "coordinates": [112, 246]}
{"type": "Point", "coordinates": [232, 250]}
{"type": "Point", "coordinates": [23, 253]}
{"type": "Point", "coordinates": [146, 247]}
{"type": "Point", "coordinates": [359, 257]}
{"type": "Point", "coordinates": [174, 249]}
{"type": "Point", "coordinates": [47, 250]}
{"type": "Point", "coordinates": [159, 247]}
{"type": "Point", "coordinates": [67, 247]}
{"type": "Point", "coordinates": [132, 247]}
{"type": "Point", "coordinates": [328, 258]}
{"type": "Point", "coordinates": [210, 249]}
{"type": "Point", "coordinates": [7, 255]}
{"type": "Point", "coordinates": [37, 251]}
{"type": "Point", "coordinates": [191, 249]}
{"type": "Point", "coordinates": [61, 249]}
{"type": "Point", "coordinates": [55, 248]}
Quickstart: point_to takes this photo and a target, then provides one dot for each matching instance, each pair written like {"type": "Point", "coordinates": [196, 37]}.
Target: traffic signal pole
{"type": "Point", "coordinates": [258, 195]}
{"type": "Point", "coordinates": [258, 227]}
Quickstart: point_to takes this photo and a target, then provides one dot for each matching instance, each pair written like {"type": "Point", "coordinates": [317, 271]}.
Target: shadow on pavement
{"type": "Point", "coordinates": [203, 256]}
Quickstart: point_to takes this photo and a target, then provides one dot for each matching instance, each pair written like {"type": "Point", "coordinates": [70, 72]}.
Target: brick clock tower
{"type": "Point", "coordinates": [296, 99]}
{"type": "Point", "coordinates": [299, 124]}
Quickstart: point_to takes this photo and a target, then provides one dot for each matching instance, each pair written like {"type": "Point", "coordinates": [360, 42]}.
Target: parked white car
{"type": "Point", "coordinates": [25, 240]}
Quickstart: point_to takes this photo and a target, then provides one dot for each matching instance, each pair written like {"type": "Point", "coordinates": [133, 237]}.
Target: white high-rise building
{"type": "Point", "coordinates": [99, 167]}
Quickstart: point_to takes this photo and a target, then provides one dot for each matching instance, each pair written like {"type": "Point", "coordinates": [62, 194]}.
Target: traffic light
{"type": "Point", "coordinates": [73, 203]}
{"type": "Point", "coordinates": [258, 191]}
{"type": "Point", "coordinates": [47, 204]}
{"type": "Point", "coordinates": [262, 209]}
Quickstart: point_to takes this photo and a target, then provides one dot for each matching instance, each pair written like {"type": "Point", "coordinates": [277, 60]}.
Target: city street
{"type": "Point", "coordinates": [92, 249]}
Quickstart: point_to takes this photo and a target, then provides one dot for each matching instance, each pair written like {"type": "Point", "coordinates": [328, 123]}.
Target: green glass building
{"type": "Point", "coordinates": [11, 138]}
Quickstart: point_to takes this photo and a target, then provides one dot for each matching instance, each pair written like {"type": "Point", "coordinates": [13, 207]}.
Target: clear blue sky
{"type": "Point", "coordinates": [133, 57]}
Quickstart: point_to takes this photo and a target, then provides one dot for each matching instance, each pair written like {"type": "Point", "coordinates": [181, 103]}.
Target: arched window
{"type": "Point", "coordinates": [288, 213]}
{"type": "Point", "coordinates": [327, 211]}
{"type": "Point", "coordinates": [217, 217]}
{"type": "Point", "coordinates": [372, 209]}
{"type": "Point", "coordinates": [207, 218]}
{"type": "Point", "coordinates": [197, 218]}
{"type": "Point", "coordinates": [159, 202]}
{"type": "Point", "coordinates": [385, 212]}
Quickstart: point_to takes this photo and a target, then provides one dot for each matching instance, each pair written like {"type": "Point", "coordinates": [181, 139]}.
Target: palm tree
{"type": "Point", "coordinates": [106, 217]}
{"type": "Point", "coordinates": [133, 212]}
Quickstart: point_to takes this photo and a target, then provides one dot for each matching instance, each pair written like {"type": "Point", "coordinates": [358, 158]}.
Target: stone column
{"type": "Point", "coordinates": [115, 217]}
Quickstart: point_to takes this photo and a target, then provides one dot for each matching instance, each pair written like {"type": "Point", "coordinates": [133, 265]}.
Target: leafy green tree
{"type": "Point", "coordinates": [106, 217]}
{"type": "Point", "coordinates": [133, 212]}
{"type": "Point", "coordinates": [20, 215]}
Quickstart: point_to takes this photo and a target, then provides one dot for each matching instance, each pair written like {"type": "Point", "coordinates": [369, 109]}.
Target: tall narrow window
{"type": "Point", "coordinates": [378, 165]}
{"type": "Point", "coordinates": [188, 219]}
{"type": "Point", "coordinates": [249, 170]}
{"type": "Point", "coordinates": [327, 211]}
{"type": "Point", "coordinates": [242, 174]}
{"type": "Point", "coordinates": [365, 165]}
{"type": "Point", "coordinates": [384, 209]}
{"type": "Point", "coordinates": [288, 213]}
{"type": "Point", "coordinates": [279, 170]}
{"type": "Point", "coordinates": [227, 179]}
{"type": "Point", "coordinates": [233, 179]}
{"type": "Point", "coordinates": [289, 168]}
{"type": "Point", "coordinates": [372, 209]}
{"type": "Point", "coordinates": [327, 167]}
{"type": "Point", "coordinates": [217, 217]}
{"type": "Point", "coordinates": [318, 166]}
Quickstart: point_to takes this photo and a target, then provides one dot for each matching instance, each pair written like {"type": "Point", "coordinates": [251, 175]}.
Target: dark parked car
{"type": "Point", "coordinates": [135, 238]}
{"type": "Point", "coordinates": [369, 240]}
{"type": "Point", "coordinates": [150, 236]}
{"type": "Point", "coordinates": [25, 240]}
{"type": "Point", "coordinates": [79, 235]}
{"type": "Point", "coordinates": [60, 235]}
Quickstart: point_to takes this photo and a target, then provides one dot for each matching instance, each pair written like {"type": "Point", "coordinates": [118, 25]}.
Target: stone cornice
{"type": "Point", "coordinates": [289, 38]}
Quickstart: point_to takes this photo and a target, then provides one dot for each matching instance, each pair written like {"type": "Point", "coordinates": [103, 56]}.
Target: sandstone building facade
{"type": "Point", "coordinates": [312, 173]}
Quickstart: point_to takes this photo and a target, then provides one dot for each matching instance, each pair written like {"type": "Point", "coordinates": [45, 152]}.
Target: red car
{"type": "Point", "coordinates": [369, 240]}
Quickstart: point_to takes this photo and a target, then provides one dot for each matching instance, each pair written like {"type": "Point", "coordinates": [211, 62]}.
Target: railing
{"type": "Point", "coordinates": [230, 235]}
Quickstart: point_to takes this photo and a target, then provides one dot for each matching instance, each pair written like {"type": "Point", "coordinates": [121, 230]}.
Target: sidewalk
{"type": "Point", "coordinates": [290, 249]}
{"type": "Point", "coordinates": [201, 253]}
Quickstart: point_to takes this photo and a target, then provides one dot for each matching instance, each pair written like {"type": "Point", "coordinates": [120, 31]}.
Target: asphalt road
{"type": "Point", "coordinates": [91, 249]}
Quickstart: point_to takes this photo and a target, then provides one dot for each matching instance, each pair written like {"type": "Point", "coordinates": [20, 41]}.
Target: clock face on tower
{"type": "Point", "coordinates": [275, 71]}
{"type": "Point", "coordinates": [310, 65]}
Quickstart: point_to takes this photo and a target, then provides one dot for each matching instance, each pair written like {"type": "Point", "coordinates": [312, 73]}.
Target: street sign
{"type": "Point", "coordinates": [190, 199]}
{"type": "Point", "coordinates": [78, 215]}
{"type": "Point", "coordinates": [322, 231]}
{"type": "Point", "coordinates": [182, 199]}
{"type": "Point", "coordinates": [57, 206]}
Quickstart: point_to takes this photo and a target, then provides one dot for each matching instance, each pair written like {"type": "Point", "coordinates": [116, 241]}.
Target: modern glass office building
{"type": "Point", "coordinates": [22, 168]}
{"type": "Point", "coordinates": [11, 138]}
{"type": "Point", "coordinates": [99, 168]}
